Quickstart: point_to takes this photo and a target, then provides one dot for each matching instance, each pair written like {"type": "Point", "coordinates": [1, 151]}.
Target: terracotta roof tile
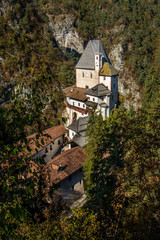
{"type": "Point", "coordinates": [75, 93]}
{"type": "Point", "coordinates": [65, 164]}
{"type": "Point", "coordinates": [52, 133]}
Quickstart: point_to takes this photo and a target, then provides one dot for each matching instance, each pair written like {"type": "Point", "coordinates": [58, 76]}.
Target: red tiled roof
{"type": "Point", "coordinates": [53, 133]}
{"type": "Point", "coordinates": [70, 161]}
{"type": "Point", "coordinates": [75, 93]}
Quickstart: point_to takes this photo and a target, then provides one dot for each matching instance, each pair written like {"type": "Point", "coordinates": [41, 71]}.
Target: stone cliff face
{"type": "Point", "coordinates": [126, 84]}
{"type": "Point", "coordinates": [65, 33]}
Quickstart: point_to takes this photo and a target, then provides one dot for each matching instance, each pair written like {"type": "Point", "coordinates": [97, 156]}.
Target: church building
{"type": "Point", "coordinates": [96, 85]}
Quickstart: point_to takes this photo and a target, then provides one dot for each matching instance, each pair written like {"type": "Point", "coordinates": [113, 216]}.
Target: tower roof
{"type": "Point", "coordinates": [87, 59]}
{"type": "Point", "coordinates": [108, 70]}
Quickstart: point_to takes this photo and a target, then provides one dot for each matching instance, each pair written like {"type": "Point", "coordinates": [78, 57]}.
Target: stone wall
{"type": "Point", "coordinates": [86, 77]}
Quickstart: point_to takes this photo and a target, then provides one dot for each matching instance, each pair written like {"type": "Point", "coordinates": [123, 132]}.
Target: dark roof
{"type": "Point", "coordinates": [79, 125]}
{"type": "Point", "coordinates": [103, 104]}
{"type": "Point", "coordinates": [75, 93]}
{"type": "Point", "coordinates": [108, 70]}
{"type": "Point", "coordinates": [87, 59]}
{"type": "Point", "coordinates": [65, 164]}
{"type": "Point", "coordinates": [98, 91]}
{"type": "Point", "coordinates": [80, 139]}
{"type": "Point", "coordinates": [91, 104]}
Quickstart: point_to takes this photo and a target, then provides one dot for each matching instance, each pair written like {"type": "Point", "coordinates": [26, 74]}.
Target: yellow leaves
{"type": "Point", "coordinates": [82, 225]}
{"type": "Point", "coordinates": [32, 70]}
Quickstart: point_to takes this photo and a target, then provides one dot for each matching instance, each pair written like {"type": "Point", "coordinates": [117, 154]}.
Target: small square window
{"type": "Point", "coordinates": [78, 104]}
{"type": "Point", "coordinates": [51, 147]}
{"type": "Point", "coordinates": [73, 103]}
{"type": "Point", "coordinates": [88, 98]}
{"type": "Point", "coordinates": [59, 142]}
{"type": "Point", "coordinates": [83, 106]}
{"type": "Point", "coordinates": [82, 74]}
{"type": "Point", "coordinates": [72, 134]}
{"type": "Point", "coordinates": [46, 150]}
{"type": "Point", "coordinates": [90, 75]}
{"type": "Point", "coordinates": [93, 99]}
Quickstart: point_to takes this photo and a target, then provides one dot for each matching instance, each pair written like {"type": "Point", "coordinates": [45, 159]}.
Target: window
{"type": "Point", "coordinates": [46, 150]}
{"type": "Point", "coordinates": [51, 147]}
{"type": "Point", "coordinates": [74, 117]}
{"type": "Point", "coordinates": [88, 98]}
{"type": "Point", "coordinates": [102, 99]}
{"type": "Point", "coordinates": [90, 75]}
{"type": "Point", "coordinates": [73, 103]}
{"type": "Point", "coordinates": [72, 134]}
{"type": "Point", "coordinates": [83, 106]}
{"type": "Point", "coordinates": [93, 99]}
{"type": "Point", "coordinates": [78, 104]}
{"type": "Point", "coordinates": [82, 74]}
{"type": "Point", "coordinates": [96, 57]}
{"type": "Point", "coordinates": [59, 142]}
{"type": "Point", "coordinates": [87, 86]}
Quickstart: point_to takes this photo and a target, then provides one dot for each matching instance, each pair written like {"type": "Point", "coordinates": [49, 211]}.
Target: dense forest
{"type": "Point", "coordinates": [123, 152]}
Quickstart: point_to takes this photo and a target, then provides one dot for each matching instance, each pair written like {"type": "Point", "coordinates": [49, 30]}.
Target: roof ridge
{"type": "Point", "coordinates": [61, 155]}
{"type": "Point", "coordinates": [92, 45]}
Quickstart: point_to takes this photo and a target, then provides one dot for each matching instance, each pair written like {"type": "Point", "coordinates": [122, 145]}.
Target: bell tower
{"type": "Point", "coordinates": [97, 62]}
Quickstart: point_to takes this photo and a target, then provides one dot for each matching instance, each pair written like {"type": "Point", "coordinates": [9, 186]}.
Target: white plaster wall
{"type": "Point", "coordinates": [79, 114]}
{"type": "Point", "coordinates": [99, 100]}
{"type": "Point", "coordinates": [69, 115]}
{"type": "Point", "coordinates": [71, 134]}
{"type": "Point", "coordinates": [77, 103]}
{"type": "Point", "coordinates": [86, 80]}
{"type": "Point", "coordinates": [68, 99]}
{"type": "Point", "coordinates": [106, 81]}
{"type": "Point", "coordinates": [103, 113]}
{"type": "Point", "coordinates": [91, 98]}
{"type": "Point", "coordinates": [106, 100]}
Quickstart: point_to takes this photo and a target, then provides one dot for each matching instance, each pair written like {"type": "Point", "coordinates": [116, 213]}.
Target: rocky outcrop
{"type": "Point", "coordinates": [65, 33]}
{"type": "Point", "coordinates": [127, 86]}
